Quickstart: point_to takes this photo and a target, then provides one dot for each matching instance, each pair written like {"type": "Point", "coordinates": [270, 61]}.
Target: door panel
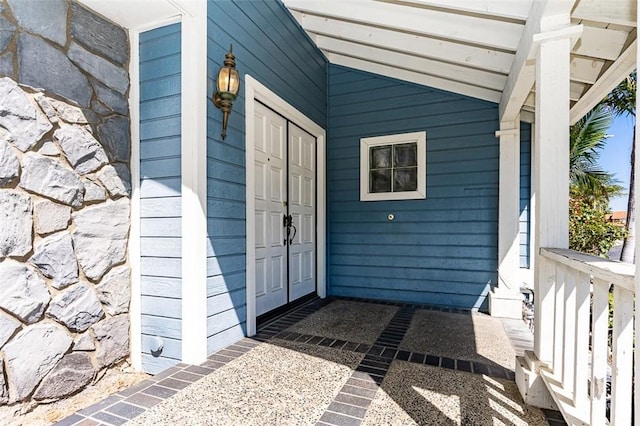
{"type": "Point", "coordinates": [302, 174]}
{"type": "Point", "coordinates": [270, 181]}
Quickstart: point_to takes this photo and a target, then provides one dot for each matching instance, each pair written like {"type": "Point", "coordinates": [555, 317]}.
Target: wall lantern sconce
{"type": "Point", "coordinates": [228, 85]}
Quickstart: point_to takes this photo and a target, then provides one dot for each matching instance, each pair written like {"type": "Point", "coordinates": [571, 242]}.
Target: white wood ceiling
{"type": "Point", "coordinates": [468, 46]}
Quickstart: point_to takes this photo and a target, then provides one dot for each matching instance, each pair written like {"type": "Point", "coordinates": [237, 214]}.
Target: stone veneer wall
{"type": "Point", "coordinates": [64, 198]}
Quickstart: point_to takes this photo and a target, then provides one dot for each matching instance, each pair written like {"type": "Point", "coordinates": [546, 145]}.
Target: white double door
{"type": "Point", "coordinates": [285, 197]}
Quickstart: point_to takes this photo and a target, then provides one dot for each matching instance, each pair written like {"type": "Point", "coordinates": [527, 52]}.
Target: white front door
{"type": "Point", "coordinates": [284, 211]}
{"type": "Point", "coordinates": [270, 199]}
{"type": "Point", "coordinates": [302, 197]}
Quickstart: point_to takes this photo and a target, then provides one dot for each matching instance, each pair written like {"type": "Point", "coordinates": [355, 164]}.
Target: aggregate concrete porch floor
{"type": "Point", "coordinates": [340, 362]}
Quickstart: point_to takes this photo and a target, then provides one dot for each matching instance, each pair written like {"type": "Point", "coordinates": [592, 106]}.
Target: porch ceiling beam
{"type": "Point", "coordinates": [462, 28]}
{"type": "Point", "coordinates": [611, 12]}
{"type": "Point", "coordinates": [530, 101]}
{"type": "Point", "coordinates": [545, 16]}
{"type": "Point", "coordinates": [575, 92]}
{"type": "Point", "coordinates": [513, 9]}
{"type": "Point", "coordinates": [455, 53]}
{"type": "Point", "coordinates": [412, 63]}
{"type": "Point", "coordinates": [621, 68]}
{"type": "Point", "coordinates": [415, 77]}
{"type": "Point", "coordinates": [586, 70]}
{"type": "Point", "coordinates": [601, 43]}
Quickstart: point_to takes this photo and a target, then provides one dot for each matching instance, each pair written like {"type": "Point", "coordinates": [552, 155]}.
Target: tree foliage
{"type": "Point", "coordinates": [589, 230]}
{"type": "Point", "coordinates": [591, 187]}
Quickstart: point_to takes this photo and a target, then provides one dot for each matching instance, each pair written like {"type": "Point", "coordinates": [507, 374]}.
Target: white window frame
{"type": "Point", "coordinates": [420, 138]}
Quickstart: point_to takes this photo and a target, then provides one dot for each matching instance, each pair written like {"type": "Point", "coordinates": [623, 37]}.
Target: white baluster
{"type": "Point", "coordinates": [569, 331]}
{"type": "Point", "coordinates": [599, 350]}
{"type": "Point", "coordinates": [558, 344]}
{"type": "Point", "coordinates": [622, 368]}
{"type": "Point", "coordinates": [581, 349]}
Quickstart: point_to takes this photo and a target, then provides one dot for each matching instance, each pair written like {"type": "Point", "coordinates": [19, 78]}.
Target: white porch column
{"type": "Point", "coordinates": [551, 159]}
{"type": "Point", "coordinates": [550, 171]}
{"type": "Point", "coordinates": [506, 300]}
{"type": "Point", "coordinates": [194, 182]}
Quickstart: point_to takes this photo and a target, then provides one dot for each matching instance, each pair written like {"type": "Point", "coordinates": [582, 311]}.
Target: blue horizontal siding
{"type": "Point", "coordinates": [525, 195]}
{"type": "Point", "coordinates": [155, 365]}
{"type": "Point", "coordinates": [270, 46]}
{"type": "Point", "coordinates": [221, 265]}
{"type": "Point", "coordinates": [161, 326]}
{"type": "Point", "coordinates": [160, 187]}
{"type": "Point", "coordinates": [160, 287]}
{"type": "Point", "coordinates": [160, 197]}
{"type": "Point", "coordinates": [161, 207]}
{"type": "Point", "coordinates": [223, 284]}
{"type": "Point", "coordinates": [227, 246]}
{"type": "Point", "coordinates": [160, 148]}
{"type": "Point", "coordinates": [441, 250]}
{"type": "Point", "coordinates": [165, 247]}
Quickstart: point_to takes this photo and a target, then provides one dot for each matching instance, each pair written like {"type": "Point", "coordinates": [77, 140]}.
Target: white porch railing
{"type": "Point", "coordinates": [583, 353]}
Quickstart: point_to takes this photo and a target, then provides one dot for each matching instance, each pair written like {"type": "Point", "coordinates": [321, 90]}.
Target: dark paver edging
{"type": "Point", "coordinates": [383, 352]}
{"type": "Point", "coordinates": [352, 402]}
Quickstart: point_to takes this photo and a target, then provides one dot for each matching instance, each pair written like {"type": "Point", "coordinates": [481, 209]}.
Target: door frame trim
{"type": "Point", "coordinates": [254, 90]}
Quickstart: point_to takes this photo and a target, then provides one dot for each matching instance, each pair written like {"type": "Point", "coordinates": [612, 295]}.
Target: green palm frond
{"type": "Point", "coordinates": [587, 137]}
{"type": "Point", "coordinates": [622, 99]}
{"type": "Point", "coordinates": [596, 187]}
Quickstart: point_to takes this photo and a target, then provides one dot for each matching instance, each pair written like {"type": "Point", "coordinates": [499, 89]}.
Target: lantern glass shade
{"type": "Point", "coordinates": [228, 81]}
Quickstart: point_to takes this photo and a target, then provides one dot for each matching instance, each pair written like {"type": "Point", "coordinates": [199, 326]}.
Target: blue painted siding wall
{"type": "Point", "coordinates": [525, 194]}
{"type": "Point", "coordinates": [441, 250]}
{"type": "Point", "coordinates": [160, 198]}
{"type": "Point", "coordinates": [271, 47]}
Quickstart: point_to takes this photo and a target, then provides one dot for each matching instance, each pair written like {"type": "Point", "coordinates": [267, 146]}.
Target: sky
{"type": "Point", "coordinates": [615, 157]}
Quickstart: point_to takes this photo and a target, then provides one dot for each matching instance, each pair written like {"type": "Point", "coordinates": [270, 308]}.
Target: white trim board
{"type": "Point", "coordinates": [193, 144]}
{"type": "Point", "coordinates": [256, 91]}
{"type": "Point", "coordinates": [135, 310]}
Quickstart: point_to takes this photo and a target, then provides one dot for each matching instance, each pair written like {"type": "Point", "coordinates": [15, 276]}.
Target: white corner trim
{"type": "Point", "coordinates": [509, 207]}
{"type": "Point", "coordinates": [254, 90]}
{"type": "Point", "coordinates": [135, 311]}
{"type": "Point", "coordinates": [420, 138]}
{"type": "Point", "coordinates": [194, 184]}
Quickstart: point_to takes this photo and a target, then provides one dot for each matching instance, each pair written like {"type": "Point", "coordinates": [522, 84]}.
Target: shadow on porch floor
{"type": "Point", "coordinates": [341, 362]}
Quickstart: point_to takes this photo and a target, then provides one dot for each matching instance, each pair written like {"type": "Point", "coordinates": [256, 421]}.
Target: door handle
{"type": "Point", "coordinates": [295, 231]}
{"type": "Point", "coordinates": [287, 222]}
